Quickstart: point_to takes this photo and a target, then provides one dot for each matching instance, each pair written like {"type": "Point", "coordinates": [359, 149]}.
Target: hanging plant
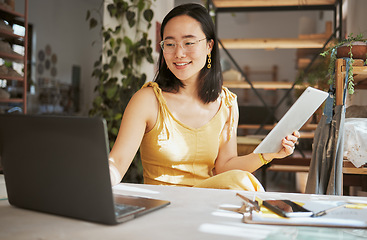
{"type": "Point", "coordinates": [118, 69]}
{"type": "Point", "coordinates": [352, 48]}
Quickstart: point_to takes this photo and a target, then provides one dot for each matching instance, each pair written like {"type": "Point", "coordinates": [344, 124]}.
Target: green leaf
{"type": "Point", "coordinates": [130, 15]}
{"type": "Point", "coordinates": [106, 36]}
{"type": "Point", "coordinates": [118, 116]}
{"type": "Point", "coordinates": [96, 72]}
{"type": "Point", "coordinates": [112, 9]}
{"type": "Point", "coordinates": [111, 144]}
{"type": "Point", "coordinates": [143, 41]}
{"type": "Point", "coordinates": [141, 5]}
{"type": "Point", "coordinates": [119, 41]}
{"type": "Point", "coordinates": [148, 15]}
{"type": "Point", "coordinates": [111, 91]}
{"type": "Point", "coordinates": [114, 131]}
{"type": "Point", "coordinates": [128, 43]}
{"type": "Point", "coordinates": [98, 100]}
{"type": "Point", "coordinates": [132, 23]}
{"type": "Point", "coordinates": [88, 15]}
{"type": "Point", "coordinates": [113, 61]}
{"type": "Point", "coordinates": [92, 23]}
{"type": "Point", "coordinates": [97, 63]}
{"type": "Point", "coordinates": [106, 67]}
{"type": "Point", "coordinates": [112, 42]}
{"type": "Point", "coordinates": [125, 61]}
{"type": "Point", "coordinates": [104, 76]}
{"type": "Point", "coordinates": [109, 52]}
{"type": "Point", "coordinates": [117, 30]}
{"type": "Point", "coordinates": [117, 49]}
{"type": "Point", "coordinates": [121, 8]}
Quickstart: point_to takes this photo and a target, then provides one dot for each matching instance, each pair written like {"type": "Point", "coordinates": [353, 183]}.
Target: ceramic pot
{"type": "Point", "coordinates": [359, 50]}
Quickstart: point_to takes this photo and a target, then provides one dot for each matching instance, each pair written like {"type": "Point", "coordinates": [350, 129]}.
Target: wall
{"type": "Point", "coordinates": [160, 8]}
{"type": "Point", "coordinates": [62, 26]}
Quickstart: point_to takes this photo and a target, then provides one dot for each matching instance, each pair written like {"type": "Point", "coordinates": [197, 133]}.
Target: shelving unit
{"type": "Point", "coordinates": [8, 37]}
{"type": "Point", "coordinates": [306, 45]}
{"type": "Point", "coordinates": [311, 42]}
{"type": "Point", "coordinates": [271, 4]}
{"type": "Point", "coordinates": [359, 75]}
{"type": "Point", "coordinates": [352, 176]}
{"type": "Point", "coordinates": [273, 43]}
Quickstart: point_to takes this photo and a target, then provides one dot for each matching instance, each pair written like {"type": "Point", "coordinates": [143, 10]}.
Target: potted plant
{"type": "Point", "coordinates": [118, 70]}
{"type": "Point", "coordinates": [352, 48]}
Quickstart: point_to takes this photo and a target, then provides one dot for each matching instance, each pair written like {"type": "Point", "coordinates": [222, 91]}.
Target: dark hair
{"type": "Point", "coordinates": [210, 80]}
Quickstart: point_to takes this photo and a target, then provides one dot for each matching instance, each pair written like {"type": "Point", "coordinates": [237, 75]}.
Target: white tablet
{"type": "Point", "coordinates": [293, 120]}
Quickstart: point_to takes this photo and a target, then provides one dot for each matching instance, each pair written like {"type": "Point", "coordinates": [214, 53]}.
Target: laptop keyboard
{"type": "Point", "coordinates": [122, 210]}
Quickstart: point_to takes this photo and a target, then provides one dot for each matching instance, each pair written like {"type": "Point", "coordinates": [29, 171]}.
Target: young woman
{"type": "Point", "coordinates": [185, 122]}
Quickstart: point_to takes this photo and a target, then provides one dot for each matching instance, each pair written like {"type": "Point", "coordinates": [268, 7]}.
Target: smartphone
{"type": "Point", "coordinates": [287, 208]}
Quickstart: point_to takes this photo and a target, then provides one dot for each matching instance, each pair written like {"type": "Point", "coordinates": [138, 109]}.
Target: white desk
{"type": "Point", "coordinates": [193, 214]}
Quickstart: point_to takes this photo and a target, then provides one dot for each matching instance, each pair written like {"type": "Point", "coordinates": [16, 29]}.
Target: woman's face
{"type": "Point", "coordinates": [186, 64]}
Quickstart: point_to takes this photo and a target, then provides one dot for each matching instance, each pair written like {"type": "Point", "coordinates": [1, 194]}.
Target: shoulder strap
{"type": "Point", "coordinates": [157, 91]}
{"type": "Point", "coordinates": [163, 111]}
{"type": "Point", "coordinates": [229, 100]}
{"type": "Point", "coordinates": [228, 97]}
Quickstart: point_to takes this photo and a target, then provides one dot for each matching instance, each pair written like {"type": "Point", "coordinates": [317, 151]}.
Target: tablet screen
{"type": "Point", "coordinates": [310, 100]}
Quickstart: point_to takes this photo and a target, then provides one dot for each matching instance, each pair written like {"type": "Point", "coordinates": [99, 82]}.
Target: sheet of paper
{"type": "Point", "coordinates": [351, 215]}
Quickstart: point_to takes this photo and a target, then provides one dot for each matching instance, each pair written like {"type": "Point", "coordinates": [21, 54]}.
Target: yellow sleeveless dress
{"type": "Point", "coordinates": [175, 154]}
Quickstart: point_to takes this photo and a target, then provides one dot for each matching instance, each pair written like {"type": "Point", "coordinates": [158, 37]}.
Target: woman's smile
{"type": "Point", "coordinates": [181, 65]}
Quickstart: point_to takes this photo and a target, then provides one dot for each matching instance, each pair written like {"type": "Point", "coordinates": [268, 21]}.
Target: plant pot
{"type": "Point", "coordinates": [359, 50]}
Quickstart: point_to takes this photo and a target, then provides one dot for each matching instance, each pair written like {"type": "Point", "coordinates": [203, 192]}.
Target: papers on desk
{"type": "Point", "coordinates": [352, 215]}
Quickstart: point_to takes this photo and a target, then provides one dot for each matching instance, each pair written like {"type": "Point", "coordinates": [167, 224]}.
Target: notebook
{"type": "Point", "coordinates": [59, 165]}
{"type": "Point", "coordinates": [309, 101]}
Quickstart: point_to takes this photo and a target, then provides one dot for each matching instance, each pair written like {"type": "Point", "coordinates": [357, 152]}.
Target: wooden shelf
{"type": "Point", "coordinates": [12, 57]}
{"type": "Point", "coordinates": [349, 168]}
{"type": "Point", "coordinates": [6, 35]}
{"type": "Point", "coordinates": [267, 3]}
{"type": "Point", "coordinates": [262, 85]}
{"type": "Point", "coordinates": [273, 43]}
{"type": "Point", "coordinates": [11, 78]}
{"type": "Point", "coordinates": [14, 38]}
{"type": "Point", "coordinates": [288, 168]}
{"type": "Point", "coordinates": [12, 100]}
{"type": "Point", "coordinates": [9, 14]}
{"type": "Point", "coordinates": [359, 73]}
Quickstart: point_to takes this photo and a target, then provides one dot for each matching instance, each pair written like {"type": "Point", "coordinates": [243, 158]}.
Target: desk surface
{"type": "Point", "coordinates": [193, 214]}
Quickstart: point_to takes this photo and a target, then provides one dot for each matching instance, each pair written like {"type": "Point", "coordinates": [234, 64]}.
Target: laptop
{"type": "Point", "coordinates": [309, 101]}
{"type": "Point", "coordinates": [59, 165]}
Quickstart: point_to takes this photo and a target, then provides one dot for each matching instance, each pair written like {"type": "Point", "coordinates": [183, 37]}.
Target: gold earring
{"type": "Point", "coordinates": [209, 61]}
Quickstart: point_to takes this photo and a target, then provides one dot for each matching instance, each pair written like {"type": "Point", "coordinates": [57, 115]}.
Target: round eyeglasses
{"type": "Point", "coordinates": [189, 45]}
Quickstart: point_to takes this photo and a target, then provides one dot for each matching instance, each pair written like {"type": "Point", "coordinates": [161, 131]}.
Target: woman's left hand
{"type": "Point", "coordinates": [289, 144]}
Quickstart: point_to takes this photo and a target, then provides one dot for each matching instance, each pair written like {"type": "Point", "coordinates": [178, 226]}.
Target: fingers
{"type": "Point", "coordinates": [294, 137]}
{"type": "Point", "coordinates": [289, 142]}
{"type": "Point", "coordinates": [288, 147]}
{"type": "Point", "coordinates": [296, 134]}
